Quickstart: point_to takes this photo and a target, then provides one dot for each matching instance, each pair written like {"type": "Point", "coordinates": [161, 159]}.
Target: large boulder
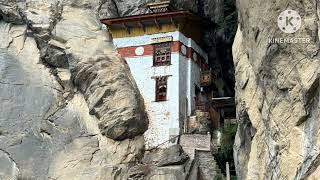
{"type": "Point", "coordinates": [56, 120]}
{"type": "Point", "coordinates": [173, 155]}
{"type": "Point", "coordinates": [277, 92]}
{"type": "Point", "coordinates": [101, 75]}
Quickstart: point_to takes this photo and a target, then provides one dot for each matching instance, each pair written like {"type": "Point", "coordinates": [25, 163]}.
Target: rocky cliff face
{"type": "Point", "coordinates": [65, 95]}
{"type": "Point", "coordinates": [69, 108]}
{"type": "Point", "coordinates": [277, 90]}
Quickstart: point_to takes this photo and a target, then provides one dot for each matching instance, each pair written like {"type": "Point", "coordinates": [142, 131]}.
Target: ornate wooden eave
{"type": "Point", "coordinates": [183, 21]}
{"type": "Point", "coordinates": [143, 17]}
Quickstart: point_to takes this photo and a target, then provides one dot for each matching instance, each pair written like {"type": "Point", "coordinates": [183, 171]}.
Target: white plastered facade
{"type": "Point", "coordinates": [166, 118]}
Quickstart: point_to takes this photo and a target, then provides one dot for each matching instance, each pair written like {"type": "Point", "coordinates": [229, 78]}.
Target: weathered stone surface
{"type": "Point", "coordinates": [8, 168]}
{"type": "Point", "coordinates": [169, 163]}
{"type": "Point", "coordinates": [205, 167]}
{"type": "Point", "coordinates": [10, 12]}
{"type": "Point", "coordinates": [101, 75]}
{"type": "Point", "coordinates": [173, 155]}
{"type": "Point", "coordinates": [91, 158]}
{"type": "Point", "coordinates": [32, 135]}
{"type": "Point", "coordinates": [65, 94]}
{"type": "Point", "coordinates": [174, 172]}
{"type": "Point", "coordinates": [46, 128]}
{"type": "Point", "coordinates": [191, 142]}
{"type": "Point", "coordinates": [278, 88]}
{"type": "Point", "coordinates": [62, 39]}
{"type": "Point", "coordinates": [242, 145]}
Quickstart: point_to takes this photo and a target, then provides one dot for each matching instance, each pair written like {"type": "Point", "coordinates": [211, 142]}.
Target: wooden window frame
{"type": "Point", "coordinates": [162, 58]}
{"type": "Point", "coordinates": [161, 91]}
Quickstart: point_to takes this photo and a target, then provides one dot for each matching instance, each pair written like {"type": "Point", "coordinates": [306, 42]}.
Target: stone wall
{"type": "Point", "coordinates": [192, 142]}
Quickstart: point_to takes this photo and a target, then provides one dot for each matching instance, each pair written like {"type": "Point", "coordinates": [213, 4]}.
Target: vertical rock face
{"type": "Point", "coordinates": [277, 90]}
{"type": "Point", "coordinates": [69, 108]}
{"type": "Point", "coordinates": [65, 95]}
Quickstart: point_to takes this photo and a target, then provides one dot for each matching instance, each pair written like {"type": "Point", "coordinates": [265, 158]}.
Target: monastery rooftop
{"type": "Point", "coordinates": [172, 16]}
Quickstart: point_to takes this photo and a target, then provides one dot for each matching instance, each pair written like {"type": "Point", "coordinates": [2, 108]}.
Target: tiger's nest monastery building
{"type": "Point", "coordinates": [162, 49]}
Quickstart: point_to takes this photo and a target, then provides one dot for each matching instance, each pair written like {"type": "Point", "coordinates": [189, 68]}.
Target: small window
{"type": "Point", "coordinates": [161, 88]}
{"type": "Point", "coordinates": [197, 91]}
{"type": "Point", "coordinates": [162, 54]}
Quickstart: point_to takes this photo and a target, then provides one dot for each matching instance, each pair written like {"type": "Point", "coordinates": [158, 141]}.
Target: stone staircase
{"type": "Point", "coordinates": [208, 167]}
{"type": "Point", "coordinates": [204, 167]}
{"type": "Point", "coordinates": [202, 163]}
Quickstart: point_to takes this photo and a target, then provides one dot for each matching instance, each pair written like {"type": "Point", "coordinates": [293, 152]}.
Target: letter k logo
{"type": "Point", "coordinates": [289, 21]}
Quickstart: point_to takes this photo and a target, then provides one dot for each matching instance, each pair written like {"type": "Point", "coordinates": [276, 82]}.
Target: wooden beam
{"type": "Point", "coordinates": [142, 26]}
{"type": "Point", "coordinates": [126, 27]}
{"type": "Point", "coordinates": [223, 102]}
{"type": "Point", "coordinates": [173, 22]}
{"type": "Point", "coordinates": [182, 25]}
{"type": "Point", "coordinates": [222, 98]}
{"type": "Point", "coordinates": [157, 23]}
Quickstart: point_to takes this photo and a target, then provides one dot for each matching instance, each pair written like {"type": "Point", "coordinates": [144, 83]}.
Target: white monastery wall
{"type": "Point", "coordinates": [166, 117]}
{"type": "Point", "coordinates": [184, 99]}
{"type": "Point", "coordinates": [194, 79]}
{"type": "Point", "coordinates": [191, 43]}
{"type": "Point", "coordinates": [189, 77]}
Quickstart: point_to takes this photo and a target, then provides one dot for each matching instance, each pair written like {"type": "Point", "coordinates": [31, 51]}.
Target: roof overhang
{"type": "Point", "coordinates": [154, 18]}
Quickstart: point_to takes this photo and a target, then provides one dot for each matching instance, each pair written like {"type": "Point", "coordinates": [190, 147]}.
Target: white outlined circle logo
{"type": "Point", "coordinates": [139, 51]}
{"type": "Point", "coordinates": [289, 21]}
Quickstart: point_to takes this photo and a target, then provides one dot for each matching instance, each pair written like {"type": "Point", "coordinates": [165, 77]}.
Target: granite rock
{"type": "Point", "coordinates": [173, 155]}
{"type": "Point", "coordinates": [49, 123]}
{"type": "Point", "coordinates": [277, 89]}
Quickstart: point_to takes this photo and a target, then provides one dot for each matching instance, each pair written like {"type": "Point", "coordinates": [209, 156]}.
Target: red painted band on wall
{"type": "Point", "coordinates": [176, 47]}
